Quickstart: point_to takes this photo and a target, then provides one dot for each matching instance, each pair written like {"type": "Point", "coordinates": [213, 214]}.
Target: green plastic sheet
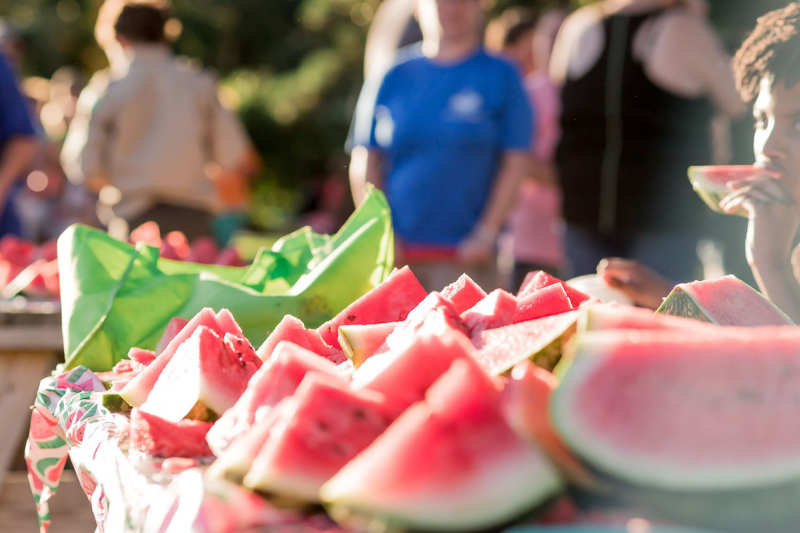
{"type": "Point", "coordinates": [115, 296]}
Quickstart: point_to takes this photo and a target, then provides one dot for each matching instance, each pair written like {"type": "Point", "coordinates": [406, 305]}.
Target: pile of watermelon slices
{"type": "Point", "coordinates": [462, 411]}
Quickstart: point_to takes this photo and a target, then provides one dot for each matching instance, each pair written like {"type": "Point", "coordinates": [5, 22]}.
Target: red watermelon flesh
{"type": "Point", "coordinates": [205, 370]}
{"type": "Point", "coordinates": [8, 271]}
{"type": "Point", "coordinates": [404, 374]}
{"type": "Point", "coordinates": [603, 317]}
{"type": "Point", "coordinates": [16, 250]}
{"type": "Point", "coordinates": [293, 330]}
{"type": "Point", "coordinates": [391, 301]}
{"type": "Point", "coordinates": [125, 369]}
{"type": "Point", "coordinates": [136, 392]}
{"type": "Point", "coordinates": [152, 435]}
{"type": "Point", "coordinates": [141, 356]}
{"type": "Point", "coordinates": [726, 301]}
{"type": "Point", "coordinates": [277, 379]}
{"type": "Point", "coordinates": [235, 459]}
{"type": "Point", "coordinates": [327, 426]}
{"type": "Point", "coordinates": [464, 293]}
{"type": "Point", "coordinates": [494, 311]}
{"type": "Point", "coordinates": [230, 257]}
{"type": "Point", "coordinates": [361, 342]}
{"type": "Point", "coordinates": [540, 279]}
{"type": "Point", "coordinates": [148, 233]}
{"type": "Point", "coordinates": [434, 305]}
{"type": "Point", "coordinates": [204, 250]}
{"type": "Point", "coordinates": [175, 245]}
{"type": "Point", "coordinates": [450, 463]}
{"type": "Point", "coordinates": [548, 301]}
{"type": "Point", "coordinates": [698, 411]}
{"type": "Point", "coordinates": [176, 324]}
{"type": "Point", "coordinates": [541, 340]}
{"type": "Point", "coordinates": [526, 406]}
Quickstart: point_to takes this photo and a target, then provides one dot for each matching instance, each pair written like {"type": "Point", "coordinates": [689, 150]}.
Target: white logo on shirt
{"type": "Point", "coordinates": [465, 105]}
{"type": "Point", "coordinates": [384, 126]}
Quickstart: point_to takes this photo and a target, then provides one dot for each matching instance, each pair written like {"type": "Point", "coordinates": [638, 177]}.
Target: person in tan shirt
{"type": "Point", "coordinates": [152, 138]}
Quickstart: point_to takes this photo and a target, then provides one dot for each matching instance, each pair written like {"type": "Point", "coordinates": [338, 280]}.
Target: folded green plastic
{"type": "Point", "coordinates": [115, 296]}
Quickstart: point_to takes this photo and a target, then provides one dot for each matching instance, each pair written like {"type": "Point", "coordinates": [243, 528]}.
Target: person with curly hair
{"type": "Point", "coordinates": [767, 71]}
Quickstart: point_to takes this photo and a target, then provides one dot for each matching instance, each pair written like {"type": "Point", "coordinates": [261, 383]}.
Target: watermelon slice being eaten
{"type": "Point", "coordinates": [450, 463]}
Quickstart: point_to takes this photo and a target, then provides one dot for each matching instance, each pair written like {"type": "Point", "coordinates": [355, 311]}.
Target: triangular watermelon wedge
{"type": "Point", "coordinates": [293, 330]}
{"type": "Point", "coordinates": [464, 293]}
{"type": "Point", "coordinates": [540, 279]}
{"type": "Point", "coordinates": [548, 301]}
{"type": "Point", "coordinates": [136, 392]}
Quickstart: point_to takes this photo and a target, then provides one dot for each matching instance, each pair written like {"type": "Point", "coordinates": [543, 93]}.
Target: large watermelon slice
{"type": "Point", "coordinates": [293, 330]}
{"type": "Point", "coordinates": [361, 342]}
{"type": "Point", "coordinates": [404, 374]}
{"type": "Point", "coordinates": [152, 435]}
{"type": "Point", "coordinates": [274, 381]}
{"type": "Point", "coordinates": [726, 301]}
{"type": "Point", "coordinates": [450, 463]}
{"type": "Point", "coordinates": [176, 324]}
{"type": "Point", "coordinates": [434, 308]}
{"type": "Point", "coordinates": [464, 293]}
{"type": "Point", "coordinates": [697, 428]}
{"type": "Point", "coordinates": [327, 426]}
{"type": "Point", "coordinates": [540, 340]}
{"type": "Point", "coordinates": [136, 392]}
{"type": "Point", "coordinates": [391, 301]}
{"type": "Point", "coordinates": [206, 370]}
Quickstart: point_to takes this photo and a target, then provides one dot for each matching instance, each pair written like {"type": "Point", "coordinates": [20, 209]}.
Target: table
{"type": "Point", "coordinates": [30, 347]}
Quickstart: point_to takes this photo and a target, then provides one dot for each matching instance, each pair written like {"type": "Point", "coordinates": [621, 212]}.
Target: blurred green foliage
{"type": "Point", "coordinates": [293, 68]}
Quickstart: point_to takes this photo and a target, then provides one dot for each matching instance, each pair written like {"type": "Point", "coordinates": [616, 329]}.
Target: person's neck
{"type": "Point", "coordinates": [449, 51]}
{"type": "Point", "coordinates": [615, 6]}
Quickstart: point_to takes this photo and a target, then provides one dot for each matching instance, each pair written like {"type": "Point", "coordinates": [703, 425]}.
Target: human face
{"type": "Point", "coordinates": [777, 138]}
{"type": "Point", "coordinates": [451, 20]}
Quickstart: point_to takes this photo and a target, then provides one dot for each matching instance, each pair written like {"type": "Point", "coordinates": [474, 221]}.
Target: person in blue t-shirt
{"type": "Point", "coordinates": [18, 146]}
{"type": "Point", "coordinates": [446, 134]}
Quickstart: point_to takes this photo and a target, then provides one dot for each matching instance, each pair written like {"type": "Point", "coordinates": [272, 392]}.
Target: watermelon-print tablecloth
{"type": "Point", "coordinates": [127, 494]}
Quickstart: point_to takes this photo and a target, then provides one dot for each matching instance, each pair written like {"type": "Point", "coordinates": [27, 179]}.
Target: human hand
{"type": "Point", "coordinates": [774, 217]}
{"type": "Point", "coordinates": [641, 284]}
{"type": "Point", "coordinates": [477, 248]}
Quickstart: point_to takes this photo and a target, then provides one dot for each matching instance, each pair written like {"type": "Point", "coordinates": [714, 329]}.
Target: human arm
{"type": "Point", "coordinates": [366, 166]}
{"type": "Point", "coordinates": [773, 221]}
{"type": "Point", "coordinates": [638, 282]}
{"type": "Point", "coordinates": [14, 161]}
{"type": "Point", "coordinates": [478, 246]}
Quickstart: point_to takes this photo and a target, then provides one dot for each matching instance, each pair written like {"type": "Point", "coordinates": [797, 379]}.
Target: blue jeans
{"type": "Point", "coordinates": [672, 255]}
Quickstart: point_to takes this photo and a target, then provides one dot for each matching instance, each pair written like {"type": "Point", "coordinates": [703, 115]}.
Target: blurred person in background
{"type": "Point", "coordinates": [535, 224]}
{"type": "Point", "coordinates": [18, 142]}
{"type": "Point", "coordinates": [446, 133]}
{"type": "Point", "coordinates": [641, 81]}
{"type": "Point", "coordinates": [152, 138]}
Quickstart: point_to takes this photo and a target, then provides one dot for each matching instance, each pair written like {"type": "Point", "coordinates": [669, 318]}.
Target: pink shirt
{"type": "Point", "coordinates": [535, 223]}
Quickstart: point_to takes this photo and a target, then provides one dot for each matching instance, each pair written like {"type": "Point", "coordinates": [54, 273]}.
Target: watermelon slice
{"type": "Point", "coordinates": [540, 279]}
{"type": "Point", "coordinates": [391, 301]}
{"type": "Point", "coordinates": [464, 293]}
{"type": "Point", "coordinates": [204, 250]}
{"type": "Point", "coordinates": [148, 233]}
{"type": "Point", "coordinates": [327, 426]}
{"type": "Point", "coordinates": [230, 257]}
{"type": "Point", "coordinates": [206, 370]}
{"type": "Point", "coordinates": [136, 392]}
{"type": "Point", "coordinates": [141, 356]}
{"type": "Point", "coordinates": [526, 406]}
{"type": "Point", "coordinates": [434, 308]}
{"type": "Point", "coordinates": [726, 301]}
{"type": "Point", "coordinates": [176, 324]}
{"type": "Point", "coordinates": [157, 437]}
{"type": "Point", "coordinates": [698, 428]}
{"type": "Point", "coordinates": [450, 463]}
{"type": "Point", "coordinates": [494, 311]}
{"type": "Point", "coordinates": [361, 342]}
{"type": "Point", "coordinates": [711, 182]}
{"type": "Point", "coordinates": [603, 317]}
{"type": "Point", "coordinates": [541, 303]}
{"type": "Point", "coordinates": [236, 458]}
{"type": "Point", "coordinates": [277, 379]}
{"type": "Point", "coordinates": [403, 375]}
{"type": "Point", "coordinates": [125, 369]}
{"type": "Point", "coordinates": [293, 330]}
{"type": "Point", "coordinates": [541, 340]}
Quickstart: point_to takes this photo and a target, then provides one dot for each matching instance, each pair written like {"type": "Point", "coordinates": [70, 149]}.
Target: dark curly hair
{"type": "Point", "coordinates": [771, 51]}
{"type": "Point", "coordinates": [141, 23]}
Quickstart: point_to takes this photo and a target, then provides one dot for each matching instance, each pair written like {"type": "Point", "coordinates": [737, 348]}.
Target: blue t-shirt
{"type": "Point", "coordinates": [443, 130]}
{"type": "Point", "coordinates": [15, 120]}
